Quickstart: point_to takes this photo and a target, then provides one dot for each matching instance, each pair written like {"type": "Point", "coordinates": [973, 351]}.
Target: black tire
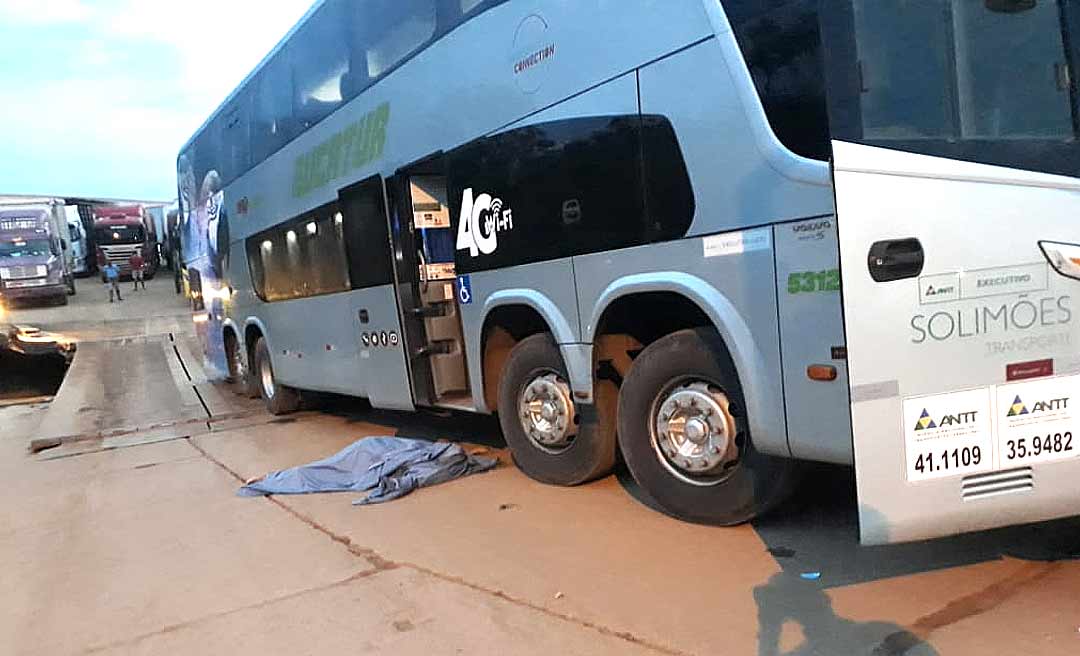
{"type": "Point", "coordinates": [591, 453]}
{"type": "Point", "coordinates": [240, 379]}
{"type": "Point", "coordinates": [62, 299]}
{"type": "Point", "coordinates": [746, 488]}
{"type": "Point", "coordinates": [279, 399]}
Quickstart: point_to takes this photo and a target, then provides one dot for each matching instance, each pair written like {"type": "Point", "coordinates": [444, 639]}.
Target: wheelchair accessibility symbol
{"type": "Point", "coordinates": [464, 290]}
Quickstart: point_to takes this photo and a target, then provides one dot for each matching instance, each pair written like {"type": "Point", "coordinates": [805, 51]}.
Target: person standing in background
{"type": "Point", "coordinates": [137, 263]}
{"type": "Point", "coordinates": [112, 278]}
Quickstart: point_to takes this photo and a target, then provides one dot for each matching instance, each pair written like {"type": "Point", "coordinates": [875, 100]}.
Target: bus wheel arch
{"type": "Point", "coordinates": [561, 442]}
{"type": "Point", "coordinates": [504, 327]}
{"type": "Point", "coordinates": [630, 322]}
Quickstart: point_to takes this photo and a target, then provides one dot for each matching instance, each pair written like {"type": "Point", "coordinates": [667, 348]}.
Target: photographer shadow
{"type": "Point", "coordinates": [788, 598]}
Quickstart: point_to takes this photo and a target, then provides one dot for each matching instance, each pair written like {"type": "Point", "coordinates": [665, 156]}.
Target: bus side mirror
{"type": "Point", "coordinates": [1064, 258]}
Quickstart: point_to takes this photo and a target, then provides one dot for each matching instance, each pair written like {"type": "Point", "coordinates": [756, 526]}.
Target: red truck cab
{"type": "Point", "coordinates": [123, 231]}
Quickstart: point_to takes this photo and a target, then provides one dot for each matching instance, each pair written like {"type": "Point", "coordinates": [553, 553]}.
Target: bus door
{"type": "Point", "coordinates": [423, 245]}
{"type": "Point", "coordinates": [955, 170]}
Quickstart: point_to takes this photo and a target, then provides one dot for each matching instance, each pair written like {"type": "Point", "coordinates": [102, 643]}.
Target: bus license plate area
{"type": "Point", "coordinates": [990, 429]}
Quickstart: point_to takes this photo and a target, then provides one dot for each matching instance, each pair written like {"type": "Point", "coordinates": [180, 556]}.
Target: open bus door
{"type": "Point", "coordinates": [423, 247]}
{"type": "Point", "coordinates": [954, 158]}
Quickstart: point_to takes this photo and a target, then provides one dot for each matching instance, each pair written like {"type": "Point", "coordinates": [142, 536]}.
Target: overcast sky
{"type": "Point", "coordinates": [98, 96]}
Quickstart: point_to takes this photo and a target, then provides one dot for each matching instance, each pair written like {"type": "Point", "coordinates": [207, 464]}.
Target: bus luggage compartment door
{"type": "Point", "coordinates": [961, 343]}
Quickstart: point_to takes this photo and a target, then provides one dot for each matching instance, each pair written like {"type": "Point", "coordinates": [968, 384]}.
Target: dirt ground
{"type": "Point", "coordinates": [130, 539]}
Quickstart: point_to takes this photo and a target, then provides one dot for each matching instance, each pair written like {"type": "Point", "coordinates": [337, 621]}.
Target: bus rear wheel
{"type": "Point", "coordinates": [685, 435]}
{"type": "Point", "coordinates": [240, 378]}
{"type": "Point", "coordinates": [279, 399]}
{"type": "Point", "coordinates": [552, 439]}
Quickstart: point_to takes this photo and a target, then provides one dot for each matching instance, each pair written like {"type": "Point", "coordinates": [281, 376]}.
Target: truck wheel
{"type": "Point", "coordinates": [61, 299]}
{"type": "Point", "coordinates": [279, 399]}
{"type": "Point", "coordinates": [553, 440]}
{"type": "Point", "coordinates": [240, 378]}
{"type": "Point", "coordinates": [685, 436]}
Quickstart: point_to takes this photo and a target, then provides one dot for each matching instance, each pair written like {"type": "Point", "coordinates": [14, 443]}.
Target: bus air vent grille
{"type": "Point", "coordinates": [982, 486]}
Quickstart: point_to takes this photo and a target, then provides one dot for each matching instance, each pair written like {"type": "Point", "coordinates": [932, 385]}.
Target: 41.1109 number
{"type": "Point", "coordinates": [946, 460]}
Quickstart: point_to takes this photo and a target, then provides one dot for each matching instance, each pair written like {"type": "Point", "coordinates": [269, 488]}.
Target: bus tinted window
{"type": "Point", "coordinates": [393, 29]}
{"type": "Point", "coordinates": [337, 53]}
{"type": "Point", "coordinates": [574, 187]}
{"type": "Point", "coordinates": [933, 70]}
{"type": "Point", "coordinates": [273, 124]}
{"type": "Point", "coordinates": [234, 140]}
{"type": "Point", "coordinates": [305, 257]}
{"type": "Point", "coordinates": [367, 238]}
{"type": "Point", "coordinates": [320, 62]}
{"type": "Point", "coordinates": [669, 196]}
{"type": "Point", "coordinates": [781, 42]}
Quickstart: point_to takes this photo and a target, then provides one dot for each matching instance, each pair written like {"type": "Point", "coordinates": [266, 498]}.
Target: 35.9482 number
{"type": "Point", "coordinates": [811, 282]}
{"type": "Point", "coordinates": [1039, 445]}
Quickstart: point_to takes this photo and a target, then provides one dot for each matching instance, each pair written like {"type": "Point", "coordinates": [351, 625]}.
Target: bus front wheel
{"type": "Point", "coordinates": [279, 399]}
{"type": "Point", "coordinates": [685, 436]}
{"type": "Point", "coordinates": [554, 440]}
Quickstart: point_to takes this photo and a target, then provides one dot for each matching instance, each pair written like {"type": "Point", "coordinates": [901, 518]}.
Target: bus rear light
{"type": "Point", "coordinates": [821, 372]}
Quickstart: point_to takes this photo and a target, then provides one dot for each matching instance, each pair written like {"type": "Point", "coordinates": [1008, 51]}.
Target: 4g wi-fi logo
{"type": "Point", "coordinates": [481, 220]}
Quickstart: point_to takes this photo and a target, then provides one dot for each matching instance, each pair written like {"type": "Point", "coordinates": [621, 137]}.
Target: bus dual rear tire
{"type": "Point", "coordinates": [566, 444]}
{"type": "Point", "coordinates": [685, 436]}
{"type": "Point", "coordinates": [241, 376]}
{"type": "Point", "coordinates": [279, 399]}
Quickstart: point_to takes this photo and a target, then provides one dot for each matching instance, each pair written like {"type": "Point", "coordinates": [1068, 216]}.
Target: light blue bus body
{"type": "Point", "coordinates": [740, 240]}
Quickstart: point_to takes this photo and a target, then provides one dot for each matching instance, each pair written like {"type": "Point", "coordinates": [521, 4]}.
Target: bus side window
{"type": "Point", "coordinates": [781, 43]}
{"type": "Point", "coordinates": [366, 233]}
{"type": "Point", "coordinates": [320, 63]}
{"type": "Point", "coordinates": [574, 187]}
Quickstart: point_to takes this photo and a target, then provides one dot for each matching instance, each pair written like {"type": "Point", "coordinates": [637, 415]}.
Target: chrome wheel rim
{"type": "Point", "coordinates": [694, 433]}
{"type": "Point", "coordinates": [546, 410]}
{"type": "Point", "coordinates": [267, 376]}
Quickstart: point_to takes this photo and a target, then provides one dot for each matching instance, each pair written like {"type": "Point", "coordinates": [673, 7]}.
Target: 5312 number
{"type": "Point", "coordinates": [812, 282]}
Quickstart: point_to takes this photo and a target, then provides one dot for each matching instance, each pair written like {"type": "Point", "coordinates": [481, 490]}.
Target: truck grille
{"type": "Point", "coordinates": [24, 272]}
{"type": "Point", "coordinates": [981, 486]}
{"type": "Point", "coordinates": [119, 255]}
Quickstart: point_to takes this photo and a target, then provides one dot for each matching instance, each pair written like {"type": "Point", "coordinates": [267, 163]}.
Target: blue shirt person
{"type": "Point", "coordinates": [112, 276]}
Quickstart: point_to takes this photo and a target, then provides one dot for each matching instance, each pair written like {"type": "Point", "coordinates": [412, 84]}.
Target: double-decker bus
{"type": "Point", "coordinates": [721, 237]}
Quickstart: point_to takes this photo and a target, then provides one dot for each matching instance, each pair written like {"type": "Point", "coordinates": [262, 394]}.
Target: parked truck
{"type": "Point", "coordinates": [122, 231]}
{"type": "Point", "coordinates": [36, 259]}
{"type": "Point", "coordinates": [80, 250]}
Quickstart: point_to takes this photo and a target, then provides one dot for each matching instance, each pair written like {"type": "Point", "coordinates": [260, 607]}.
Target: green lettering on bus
{"type": "Point", "coordinates": [360, 143]}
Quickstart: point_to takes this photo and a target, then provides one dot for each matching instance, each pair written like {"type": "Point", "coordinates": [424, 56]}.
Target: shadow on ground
{"type": "Point", "coordinates": [453, 426]}
{"type": "Point", "coordinates": [23, 376]}
{"type": "Point", "coordinates": [818, 532]}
